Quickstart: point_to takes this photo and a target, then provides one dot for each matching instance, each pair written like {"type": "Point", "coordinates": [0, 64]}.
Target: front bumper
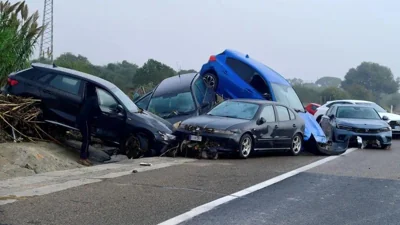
{"type": "Point", "coordinates": [222, 143]}
{"type": "Point", "coordinates": [395, 125]}
{"type": "Point", "coordinates": [346, 136]}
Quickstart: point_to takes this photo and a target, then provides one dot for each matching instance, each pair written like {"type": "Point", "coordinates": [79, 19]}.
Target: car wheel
{"type": "Point", "coordinates": [211, 80]}
{"type": "Point", "coordinates": [297, 143]}
{"type": "Point", "coordinates": [386, 147]}
{"type": "Point", "coordinates": [135, 146]}
{"type": "Point", "coordinates": [245, 146]}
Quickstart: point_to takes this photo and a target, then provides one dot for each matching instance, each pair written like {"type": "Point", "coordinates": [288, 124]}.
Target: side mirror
{"type": "Point", "coordinates": [119, 109]}
{"type": "Point", "coordinates": [261, 121]}
{"type": "Point", "coordinates": [385, 118]}
{"type": "Point", "coordinates": [267, 96]}
{"type": "Point", "coordinates": [331, 116]}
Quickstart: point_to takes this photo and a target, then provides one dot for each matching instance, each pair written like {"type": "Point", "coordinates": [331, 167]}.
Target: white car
{"type": "Point", "coordinates": [394, 119]}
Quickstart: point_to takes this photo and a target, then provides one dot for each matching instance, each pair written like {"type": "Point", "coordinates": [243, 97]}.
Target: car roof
{"type": "Point", "coordinates": [270, 74]}
{"type": "Point", "coordinates": [84, 76]}
{"type": "Point", "coordinates": [175, 84]}
{"type": "Point", "coordinates": [347, 105]}
{"type": "Point", "coordinates": [349, 100]}
{"type": "Point", "coordinates": [256, 101]}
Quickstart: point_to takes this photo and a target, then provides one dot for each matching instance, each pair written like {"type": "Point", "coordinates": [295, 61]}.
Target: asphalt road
{"type": "Point", "coordinates": [362, 187]}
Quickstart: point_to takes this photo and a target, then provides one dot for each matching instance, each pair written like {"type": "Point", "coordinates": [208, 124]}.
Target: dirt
{"type": "Point", "coordinates": [25, 159]}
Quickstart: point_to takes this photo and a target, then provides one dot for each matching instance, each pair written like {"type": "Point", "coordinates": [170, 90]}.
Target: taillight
{"type": "Point", "coordinates": [212, 58]}
{"type": "Point", "coordinates": [12, 82]}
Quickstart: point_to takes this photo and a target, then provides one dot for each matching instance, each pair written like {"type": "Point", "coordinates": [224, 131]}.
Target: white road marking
{"type": "Point", "coordinates": [211, 205]}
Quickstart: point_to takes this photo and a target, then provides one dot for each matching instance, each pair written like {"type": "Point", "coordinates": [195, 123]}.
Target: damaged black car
{"type": "Point", "coordinates": [242, 126]}
{"type": "Point", "coordinates": [121, 123]}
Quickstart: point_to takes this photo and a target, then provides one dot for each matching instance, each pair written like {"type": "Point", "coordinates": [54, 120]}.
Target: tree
{"type": "Point", "coordinates": [295, 81]}
{"type": "Point", "coordinates": [152, 71]}
{"type": "Point", "coordinates": [187, 71]}
{"type": "Point", "coordinates": [373, 77]}
{"type": "Point", "coordinates": [333, 93]}
{"type": "Point", "coordinates": [18, 35]}
{"type": "Point", "coordinates": [306, 95]}
{"type": "Point", "coordinates": [329, 82]}
{"type": "Point", "coordinates": [359, 92]}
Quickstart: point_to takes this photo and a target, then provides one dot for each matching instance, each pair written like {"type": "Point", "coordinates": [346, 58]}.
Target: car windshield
{"type": "Point", "coordinates": [286, 95]}
{"type": "Point", "coordinates": [354, 112]}
{"type": "Point", "coordinates": [170, 105]}
{"type": "Point", "coordinates": [235, 109]}
{"type": "Point", "coordinates": [374, 105]}
{"type": "Point", "coordinates": [125, 100]}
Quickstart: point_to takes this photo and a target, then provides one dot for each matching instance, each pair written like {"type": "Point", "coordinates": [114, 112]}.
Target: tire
{"type": "Point", "coordinates": [211, 81]}
{"type": "Point", "coordinates": [296, 144]}
{"type": "Point", "coordinates": [386, 147]}
{"type": "Point", "coordinates": [135, 146]}
{"type": "Point", "coordinates": [245, 146]}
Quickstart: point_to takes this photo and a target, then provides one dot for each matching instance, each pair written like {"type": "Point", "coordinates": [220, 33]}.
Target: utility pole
{"type": "Point", "coordinates": [46, 41]}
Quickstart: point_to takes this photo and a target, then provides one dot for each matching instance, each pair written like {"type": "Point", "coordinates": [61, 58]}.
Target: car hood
{"type": "Point", "coordinates": [361, 123]}
{"type": "Point", "coordinates": [391, 116]}
{"type": "Point", "coordinates": [312, 128]}
{"type": "Point", "coordinates": [215, 122]}
{"type": "Point", "coordinates": [181, 118]}
{"type": "Point", "coordinates": [154, 121]}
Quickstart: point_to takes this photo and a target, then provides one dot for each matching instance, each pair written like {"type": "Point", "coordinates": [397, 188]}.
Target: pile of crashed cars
{"type": "Point", "coordinates": [234, 105]}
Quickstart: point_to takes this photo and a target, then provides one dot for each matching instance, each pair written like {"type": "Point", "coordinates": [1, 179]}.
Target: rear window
{"type": "Point", "coordinates": [30, 74]}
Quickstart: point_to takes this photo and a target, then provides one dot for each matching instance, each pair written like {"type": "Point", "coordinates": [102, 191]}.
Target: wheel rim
{"type": "Point", "coordinates": [246, 146]}
{"type": "Point", "coordinates": [296, 144]}
{"type": "Point", "coordinates": [132, 147]}
{"type": "Point", "coordinates": [210, 80]}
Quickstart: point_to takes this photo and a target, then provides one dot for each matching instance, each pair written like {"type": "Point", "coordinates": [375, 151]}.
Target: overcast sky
{"type": "Point", "coordinates": [298, 38]}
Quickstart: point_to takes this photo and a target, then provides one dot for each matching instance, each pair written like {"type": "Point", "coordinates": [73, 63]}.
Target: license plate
{"type": "Point", "coordinates": [194, 138]}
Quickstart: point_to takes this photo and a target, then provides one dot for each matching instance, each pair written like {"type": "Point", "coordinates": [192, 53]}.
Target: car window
{"type": "Point", "coordinates": [268, 113]}
{"type": "Point", "coordinates": [292, 115]}
{"type": "Point", "coordinates": [330, 110]}
{"type": "Point", "coordinates": [283, 113]}
{"type": "Point", "coordinates": [142, 103]}
{"type": "Point", "coordinates": [314, 107]}
{"type": "Point", "coordinates": [378, 108]}
{"type": "Point", "coordinates": [199, 90]}
{"type": "Point", "coordinates": [287, 95]}
{"type": "Point", "coordinates": [67, 84]}
{"type": "Point", "coordinates": [241, 69]}
{"type": "Point", "coordinates": [167, 106]}
{"type": "Point", "coordinates": [45, 77]}
{"type": "Point", "coordinates": [335, 103]}
{"type": "Point", "coordinates": [106, 101]}
{"type": "Point", "coordinates": [355, 112]}
{"type": "Point", "coordinates": [235, 109]}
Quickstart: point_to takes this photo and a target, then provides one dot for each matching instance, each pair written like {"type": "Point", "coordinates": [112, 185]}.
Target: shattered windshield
{"type": "Point", "coordinates": [235, 109]}
{"type": "Point", "coordinates": [126, 101]}
{"type": "Point", "coordinates": [286, 95]}
{"type": "Point", "coordinates": [173, 104]}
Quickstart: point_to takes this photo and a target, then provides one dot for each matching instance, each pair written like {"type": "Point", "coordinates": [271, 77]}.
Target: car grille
{"type": "Point", "coordinates": [362, 130]}
{"type": "Point", "coordinates": [198, 129]}
{"type": "Point", "coordinates": [393, 124]}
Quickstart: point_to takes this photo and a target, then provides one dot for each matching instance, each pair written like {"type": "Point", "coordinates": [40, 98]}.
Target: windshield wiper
{"type": "Point", "coordinates": [298, 110]}
{"type": "Point", "coordinates": [175, 113]}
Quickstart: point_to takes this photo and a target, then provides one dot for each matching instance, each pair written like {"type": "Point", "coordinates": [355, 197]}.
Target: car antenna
{"type": "Point", "coordinates": [54, 65]}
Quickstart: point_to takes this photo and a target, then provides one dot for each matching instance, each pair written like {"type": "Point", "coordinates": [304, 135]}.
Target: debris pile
{"type": "Point", "coordinates": [20, 119]}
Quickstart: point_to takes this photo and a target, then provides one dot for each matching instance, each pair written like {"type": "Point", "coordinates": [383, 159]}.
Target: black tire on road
{"type": "Point", "coordinates": [296, 144]}
{"type": "Point", "coordinates": [245, 146]}
{"type": "Point", "coordinates": [211, 80]}
{"type": "Point", "coordinates": [386, 147]}
{"type": "Point", "coordinates": [135, 146]}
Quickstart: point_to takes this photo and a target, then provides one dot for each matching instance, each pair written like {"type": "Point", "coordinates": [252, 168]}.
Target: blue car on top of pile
{"type": "Point", "coordinates": [235, 75]}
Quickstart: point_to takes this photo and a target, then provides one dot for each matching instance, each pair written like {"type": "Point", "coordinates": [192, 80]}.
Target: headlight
{"type": "Point", "coordinates": [226, 131]}
{"type": "Point", "coordinates": [344, 127]}
{"type": "Point", "coordinates": [385, 129]}
{"type": "Point", "coordinates": [177, 125]}
{"type": "Point", "coordinates": [166, 137]}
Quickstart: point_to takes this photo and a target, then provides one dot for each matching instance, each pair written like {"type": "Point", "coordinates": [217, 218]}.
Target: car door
{"type": "Point", "coordinates": [326, 121]}
{"type": "Point", "coordinates": [110, 124]}
{"type": "Point", "coordinates": [143, 102]}
{"type": "Point", "coordinates": [205, 97]}
{"type": "Point", "coordinates": [61, 99]}
{"type": "Point", "coordinates": [266, 131]}
{"type": "Point", "coordinates": [285, 127]}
